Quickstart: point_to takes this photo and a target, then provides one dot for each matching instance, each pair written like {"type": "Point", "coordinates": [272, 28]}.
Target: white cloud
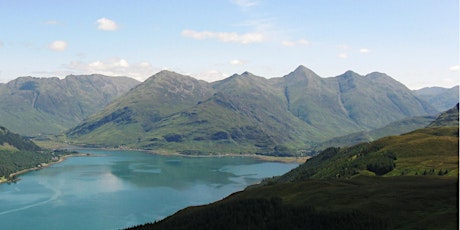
{"type": "Point", "coordinates": [455, 68]}
{"type": "Point", "coordinates": [342, 55]}
{"type": "Point", "coordinates": [1, 44]}
{"type": "Point", "coordinates": [58, 45]}
{"type": "Point", "coordinates": [106, 24]}
{"type": "Point", "coordinates": [237, 62]}
{"type": "Point", "coordinates": [244, 4]}
{"type": "Point", "coordinates": [210, 76]}
{"type": "Point", "coordinates": [364, 50]}
{"type": "Point", "coordinates": [288, 43]}
{"type": "Point", "coordinates": [231, 37]}
{"type": "Point", "coordinates": [301, 42]}
{"type": "Point", "coordinates": [114, 67]}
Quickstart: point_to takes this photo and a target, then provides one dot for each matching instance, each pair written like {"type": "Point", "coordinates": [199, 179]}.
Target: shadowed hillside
{"type": "Point", "coordinates": [441, 98]}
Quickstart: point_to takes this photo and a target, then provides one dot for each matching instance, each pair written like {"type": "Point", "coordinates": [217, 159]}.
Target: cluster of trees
{"type": "Point", "coordinates": [14, 161]}
{"type": "Point", "coordinates": [261, 213]}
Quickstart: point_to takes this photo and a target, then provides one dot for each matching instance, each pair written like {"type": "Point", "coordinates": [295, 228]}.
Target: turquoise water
{"type": "Point", "coordinates": [118, 189]}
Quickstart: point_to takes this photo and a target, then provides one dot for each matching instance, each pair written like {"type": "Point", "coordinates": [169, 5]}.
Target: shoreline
{"type": "Point", "coordinates": [13, 177]}
{"type": "Point", "coordinates": [293, 159]}
{"type": "Point", "coordinates": [164, 152]}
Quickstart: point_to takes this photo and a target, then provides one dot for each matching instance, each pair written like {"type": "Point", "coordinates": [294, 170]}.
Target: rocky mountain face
{"type": "Point", "coordinates": [33, 106]}
{"type": "Point", "coordinates": [247, 113]}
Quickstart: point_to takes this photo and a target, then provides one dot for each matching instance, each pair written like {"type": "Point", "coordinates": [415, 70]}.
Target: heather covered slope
{"type": "Point", "coordinates": [247, 113]}
{"type": "Point", "coordinates": [34, 106]}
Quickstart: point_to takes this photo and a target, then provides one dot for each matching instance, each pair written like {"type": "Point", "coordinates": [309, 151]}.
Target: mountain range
{"type": "Point", "coordinates": [36, 106]}
{"type": "Point", "coordinates": [248, 114]}
{"type": "Point", "coordinates": [244, 113]}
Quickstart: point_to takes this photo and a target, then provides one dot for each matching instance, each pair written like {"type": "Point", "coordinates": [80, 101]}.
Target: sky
{"type": "Point", "coordinates": [414, 41]}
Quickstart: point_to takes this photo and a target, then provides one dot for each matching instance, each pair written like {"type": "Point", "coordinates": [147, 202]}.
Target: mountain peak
{"type": "Point", "coordinates": [302, 68]}
{"type": "Point", "coordinates": [246, 74]}
{"type": "Point", "coordinates": [302, 74]}
{"type": "Point", "coordinates": [164, 75]}
{"type": "Point", "coordinates": [378, 75]}
{"type": "Point", "coordinates": [305, 71]}
{"type": "Point", "coordinates": [351, 73]}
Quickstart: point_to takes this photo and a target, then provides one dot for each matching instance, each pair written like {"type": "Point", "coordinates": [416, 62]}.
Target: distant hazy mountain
{"type": "Point", "coordinates": [33, 106]}
{"type": "Point", "coordinates": [248, 114]}
{"type": "Point", "coordinates": [441, 98]}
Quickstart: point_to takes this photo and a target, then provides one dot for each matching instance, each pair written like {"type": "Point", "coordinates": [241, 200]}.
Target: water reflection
{"type": "Point", "coordinates": [113, 190]}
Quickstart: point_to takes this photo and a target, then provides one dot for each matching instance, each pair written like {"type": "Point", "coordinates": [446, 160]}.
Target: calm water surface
{"type": "Point", "coordinates": [118, 189]}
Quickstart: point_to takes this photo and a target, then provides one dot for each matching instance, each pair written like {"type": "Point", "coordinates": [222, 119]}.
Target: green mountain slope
{"type": "Point", "coordinates": [33, 106]}
{"type": "Point", "coordinates": [400, 182]}
{"type": "Point", "coordinates": [127, 120]}
{"type": "Point", "coordinates": [441, 98]}
{"type": "Point", "coordinates": [349, 101]}
{"type": "Point", "coordinates": [246, 113]}
{"type": "Point", "coordinates": [18, 153]}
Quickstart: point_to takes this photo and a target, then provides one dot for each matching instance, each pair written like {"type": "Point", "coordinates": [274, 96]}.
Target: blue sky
{"type": "Point", "coordinates": [414, 41]}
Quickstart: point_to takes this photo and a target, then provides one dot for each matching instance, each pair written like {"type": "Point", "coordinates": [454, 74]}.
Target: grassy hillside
{"type": "Point", "coordinates": [428, 151]}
